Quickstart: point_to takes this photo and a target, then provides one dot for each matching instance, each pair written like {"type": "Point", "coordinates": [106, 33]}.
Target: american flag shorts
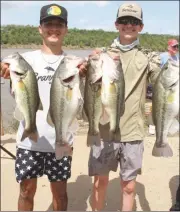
{"type": "Point", "coordinates": [33, 164]}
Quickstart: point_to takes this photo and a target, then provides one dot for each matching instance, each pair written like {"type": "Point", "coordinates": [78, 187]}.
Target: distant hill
{"type": "Point", "coordinates": [77, 38]}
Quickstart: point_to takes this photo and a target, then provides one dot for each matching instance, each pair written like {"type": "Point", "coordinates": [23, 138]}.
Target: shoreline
{"type": "Point", "coordinates": [34, 46]}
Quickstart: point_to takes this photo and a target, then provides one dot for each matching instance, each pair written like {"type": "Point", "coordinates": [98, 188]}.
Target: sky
{"type": "Point", "coordinates": [160, 17]}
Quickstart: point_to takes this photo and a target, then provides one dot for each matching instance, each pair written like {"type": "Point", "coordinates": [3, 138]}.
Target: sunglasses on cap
{"type": "Point", "coordinates": [129, 20]}
{"type": "Point", "coordinates": [175, 47]}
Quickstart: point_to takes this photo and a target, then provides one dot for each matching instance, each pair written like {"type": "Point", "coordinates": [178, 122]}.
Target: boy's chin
{"type": "Point", "coordinates": [130, 37]}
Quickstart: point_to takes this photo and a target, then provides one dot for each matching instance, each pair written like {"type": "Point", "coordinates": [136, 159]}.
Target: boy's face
{"type": "Point", "coordinates": [129, 27]}
{"type": "Point", "coordinates": [53, 30]}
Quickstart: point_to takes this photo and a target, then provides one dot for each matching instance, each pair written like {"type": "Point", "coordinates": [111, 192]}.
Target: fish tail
{"type": "Point", "coordinates": [163, 151]}
{"type": "Point", "coordinates": [93, 140]}
{"type": "Point", "coordinates": [33, 135]}
{"type": "Point", "coordinates": [115, 135]}
{"type": "Point", "coordinates": [62, 150]}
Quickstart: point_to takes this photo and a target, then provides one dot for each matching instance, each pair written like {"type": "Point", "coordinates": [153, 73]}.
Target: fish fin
{"type": "Point", "coordinates": [62, 151]}
{"type": "Point", "coordinates": [112, 88]}
{"type": "Point", "coordinates": [115, 136]}
{"type": "Point", "coordinates": [93, 140]}
{"type": "Point", "coordinates": [69, 94]}
{"type": "Point", "coordinates": [164, 151]}
{"type": "Point", "coordinates": [18, 115]}
{"type": "Point", "coordinates": [33, 135]}
{"type": "Point", "coordinates": [40, 106]}
{"type": "Point", "coordinates": [11, 85]}
{"type": "Point", "coordinates": [49, 120]}
{"type": "Point", "coordinates": [84, 116]}
{"type": "Point", "coordinates": [174, 128]}
{"type": "Point", "coordinates": [80, 110]}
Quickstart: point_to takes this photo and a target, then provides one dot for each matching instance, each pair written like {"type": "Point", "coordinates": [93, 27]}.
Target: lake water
{"type": "Point", "coordinates": [79, 53]}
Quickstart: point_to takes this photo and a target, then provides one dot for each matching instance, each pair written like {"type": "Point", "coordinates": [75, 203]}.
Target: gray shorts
{"type": "Point", "coordinates": [128, 154]}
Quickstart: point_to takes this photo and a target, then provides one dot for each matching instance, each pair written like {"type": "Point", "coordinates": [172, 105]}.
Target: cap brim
{"type": "Point", "coordinates": [130, 16]}
{"type": "Point", "coordinates": [175, 44]}
{"type": "Point", "coordinates": [53, 16]}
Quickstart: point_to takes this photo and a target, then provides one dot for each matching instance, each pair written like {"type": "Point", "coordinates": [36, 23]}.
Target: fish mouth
{"type": "Point", "coordinates": [96, 81]}
{"type": "Point", "coordinates": [69, 79]}
{"type": "Point", "coordinates": [170, 85]}
{"type": "Point", "coordinates": [99, 80]}
{"type": "Point", "coordinates": [174, 84]}
{"type": "Point", "coordinates": [19, 74]}
{"type": "Point", "coordinates": [67, 82]}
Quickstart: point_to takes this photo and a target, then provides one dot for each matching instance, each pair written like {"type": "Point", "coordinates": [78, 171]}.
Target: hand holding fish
{"type": "Point", "coordinates": [95, 51]}
{"type": "Point", "coordinates": [5, 72]}
{"type": "Point", "coordinates": [82, 68]}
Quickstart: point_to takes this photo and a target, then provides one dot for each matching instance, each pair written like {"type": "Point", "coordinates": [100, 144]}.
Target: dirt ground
{"type": "Point", "coordinates": [155, 191]}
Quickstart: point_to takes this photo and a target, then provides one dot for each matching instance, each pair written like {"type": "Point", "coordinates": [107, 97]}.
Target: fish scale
{"type": "Point", "coordinates": [113, 94]}
{"type": "Point", "coordinates": [62, 107]}
{"type": "Point", "coordinates": [65, 101]}
{"type": "Point", "coordinates": [92, 100]}
{"type": "Point", "coordinates": [25, 87]}
{"type": "Point", "coordinates": [165, 107]}
{"type": "Point", "coordinates": [162, 115]}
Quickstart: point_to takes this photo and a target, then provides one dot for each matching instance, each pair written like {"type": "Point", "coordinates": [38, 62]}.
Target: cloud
{"type": "Point", "coordinates": [5, 5]}
{"type": "Point", "coordinates": [9, 4]}
{"type": "Point", "coordinates": [101, 3]}
{"type": "Point", "coordinates": [82, 3]}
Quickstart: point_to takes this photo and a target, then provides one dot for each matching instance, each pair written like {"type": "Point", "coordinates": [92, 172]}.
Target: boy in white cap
{"type": "Point", "coordinates": [139, 65]}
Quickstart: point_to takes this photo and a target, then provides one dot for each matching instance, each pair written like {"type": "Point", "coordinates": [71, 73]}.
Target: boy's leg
{"type": "Point", "coordinates": [28, 166]}
{"type": "Point", "coordinates": [58, 172]}
{"type": "Point", "coordinates": [27, 192]}
{"type": "Point", "coordinates": [99, 192]}
{"type": "Point", "coordinates": [131, 155]}
{"type": "Point", "coordinates": [100, 168]}
{"type": "Point", "coordinates": [176, 206]}
{"type": "Point", "coordinates": [60, 198]}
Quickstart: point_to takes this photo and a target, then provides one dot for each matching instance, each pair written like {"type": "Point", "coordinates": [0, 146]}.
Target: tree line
{"type": "Point", "coordinates": [78, 38]}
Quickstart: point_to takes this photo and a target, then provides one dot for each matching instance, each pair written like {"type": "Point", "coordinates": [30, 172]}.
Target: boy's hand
{"type": "Point", "coordinates": [5, 72]}
{"type": "Point", "coordinates": [83, 69]}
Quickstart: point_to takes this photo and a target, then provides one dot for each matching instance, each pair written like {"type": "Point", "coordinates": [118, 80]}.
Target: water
{"type": "Point", "coordinates": [79, 53]}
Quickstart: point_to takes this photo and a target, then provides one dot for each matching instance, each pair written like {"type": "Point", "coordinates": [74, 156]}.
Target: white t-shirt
{"type": "Point", "coordinates": [44, 67]}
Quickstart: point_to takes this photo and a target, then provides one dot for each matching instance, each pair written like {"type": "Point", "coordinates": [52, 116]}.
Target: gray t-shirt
{"type": "Point", "coordinates": [44, 67]}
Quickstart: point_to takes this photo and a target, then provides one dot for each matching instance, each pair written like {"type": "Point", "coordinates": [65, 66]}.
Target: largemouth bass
{"type": "Point", "coordinates": [65, 101]}
{"type": "Point", "coordinates": [92, 99]}
{"type": "Point", "coordinates": [113, 93]}
{"type": "Point", "coordinates": [165, 107]}
{"type": "Point", "coordinates": [25, 88]}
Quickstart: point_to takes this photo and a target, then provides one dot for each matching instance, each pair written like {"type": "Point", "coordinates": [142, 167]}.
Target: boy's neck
{"type": "Point", "coordinates": [53, 50]}
{"type": "Point", "coordinates": [124, 41]}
